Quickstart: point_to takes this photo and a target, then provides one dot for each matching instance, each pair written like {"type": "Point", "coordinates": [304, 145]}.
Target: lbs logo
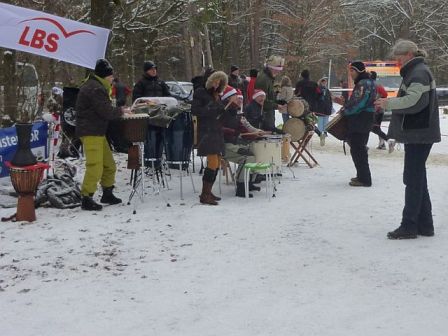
{"type": "Point", "coordinates": [40, 38]}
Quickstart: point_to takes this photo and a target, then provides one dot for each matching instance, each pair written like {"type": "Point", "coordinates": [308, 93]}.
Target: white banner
{"type": "Point", "coordinates": [51, 36]}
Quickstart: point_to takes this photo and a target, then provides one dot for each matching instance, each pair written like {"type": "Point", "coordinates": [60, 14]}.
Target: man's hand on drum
{"type": "Point", "coordinates": [282, 108]}
{"type": "Point", "coordinates": [339, 100]}
{"type": "Point", "coordinates": [126, 110]}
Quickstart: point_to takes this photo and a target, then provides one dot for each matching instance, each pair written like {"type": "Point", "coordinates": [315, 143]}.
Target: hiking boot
{"type": "Point", "coordinates": [253, 187]}
{"type": "Point", "coordinates": [87, 203]}
{"type": "Point", "coordinates": [240, 192]}
{"type": "Point", "coordinates": [354, 179]}
{"type": "Point", "coordinates": [391, 143]}
{"type": "Point", "coordinates": [400, 233]}
{"type": "Point", "coordinates": [322, 139]}
{"type": "Point", "coordinates": [358, 183]}
{"type": "Point", "coordinates": [108, 197]}
{"type": "Point", "coordinates": [426, 233]}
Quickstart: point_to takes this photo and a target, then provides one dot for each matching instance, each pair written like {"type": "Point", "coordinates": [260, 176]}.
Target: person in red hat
{"type": "Point", "coordinates": [254, 111]}
{"type": "Point", "coordinates": [238, 133]}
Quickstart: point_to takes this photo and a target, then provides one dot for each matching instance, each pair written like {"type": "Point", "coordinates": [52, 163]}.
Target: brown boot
{"type": "Point", "coordinates": [206, 196]}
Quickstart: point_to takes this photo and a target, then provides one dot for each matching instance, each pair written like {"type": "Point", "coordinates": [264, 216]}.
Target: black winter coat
{"type": "Point", "coordinates": [94, 109]}
{"type": "Point", "coordinates": [209, 113]}
{"type": "Point", "coordinates": [254, 114]}
{"type": "Point", "coordinates": [308, 90]}
{"type": "Point", "coordinates": [149, 86]}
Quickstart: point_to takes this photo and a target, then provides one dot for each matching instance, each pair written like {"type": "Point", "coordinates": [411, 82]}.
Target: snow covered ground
{"type": "Point", "coordinates": [312, 261]}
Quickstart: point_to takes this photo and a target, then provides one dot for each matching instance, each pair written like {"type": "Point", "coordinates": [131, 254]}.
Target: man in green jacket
{"type": "Point", "coordinates": [265, 81]}
{"type": "Point", "coordinates": [94, 110]}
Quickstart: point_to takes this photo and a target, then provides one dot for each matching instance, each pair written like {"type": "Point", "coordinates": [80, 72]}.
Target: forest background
{"type": "Point", "coordinates": [184, 36]}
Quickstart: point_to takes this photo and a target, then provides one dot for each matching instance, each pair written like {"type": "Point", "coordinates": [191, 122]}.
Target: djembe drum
{"type": "Point", "coordinates": [134, 129]}
{"type": "Point", "coordinates": [297, 107]}
{"type": "Point", "coordinates": [25, 181]}
{"type": "Point", "coordinates": [338, 127]}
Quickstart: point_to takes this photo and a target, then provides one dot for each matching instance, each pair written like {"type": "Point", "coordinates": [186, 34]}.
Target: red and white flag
{"type": "Point", "coordinates": [51, 36]}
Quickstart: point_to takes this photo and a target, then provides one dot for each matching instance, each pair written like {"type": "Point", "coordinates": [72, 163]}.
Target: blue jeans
{"type": "Point", "coordinates": [322, 122]}
{"type": "Point", "coordinates": [417, 211]}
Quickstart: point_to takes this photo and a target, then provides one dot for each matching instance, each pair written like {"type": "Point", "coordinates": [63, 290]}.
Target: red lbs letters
{"type": "Point", "coordinates": [40, 40]}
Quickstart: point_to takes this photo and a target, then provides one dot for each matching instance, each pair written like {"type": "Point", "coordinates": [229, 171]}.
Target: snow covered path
{"type": "Point", "coordinates": [313, 261]}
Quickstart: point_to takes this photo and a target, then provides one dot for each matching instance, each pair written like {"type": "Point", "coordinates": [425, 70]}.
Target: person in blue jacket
{"type": "Point", "coordinates": [359, 111]}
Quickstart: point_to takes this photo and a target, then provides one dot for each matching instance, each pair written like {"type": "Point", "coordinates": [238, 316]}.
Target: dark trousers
{"type": "Point", "coordinates": [376, 128]}
{"type": "Point", "coordinates": [417, 212]}
{"type": "Point", "coordinates": [358, 151]}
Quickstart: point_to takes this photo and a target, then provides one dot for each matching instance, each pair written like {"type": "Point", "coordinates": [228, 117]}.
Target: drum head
{"type": "Point", "coordinates": [297, 107]}
{"type": "Point", "coordinates": [296, 128]}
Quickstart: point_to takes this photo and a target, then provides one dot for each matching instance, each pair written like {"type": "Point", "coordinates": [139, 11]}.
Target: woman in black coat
{"type": "Point", "coordinates": [208, 108]}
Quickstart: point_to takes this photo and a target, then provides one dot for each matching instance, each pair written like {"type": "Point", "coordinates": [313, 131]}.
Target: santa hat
{"type": "Point", "coordinates": [228, 92]}
{"type": "Point", "coordinates": [258, 93]}
{"type": "Point", "coordinates": [275, 62]}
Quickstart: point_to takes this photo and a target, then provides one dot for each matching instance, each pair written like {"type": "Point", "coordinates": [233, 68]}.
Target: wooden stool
{"type": "Point", "coordinates": [300, 150]}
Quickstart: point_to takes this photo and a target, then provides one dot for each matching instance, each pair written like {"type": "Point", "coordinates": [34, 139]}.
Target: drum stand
{"type": "Point", "coordinates": [158, 175]}
{"type": "Point", "coordinates": [137, 177]}
{"type": "Point", "coordinates": [299, 150]}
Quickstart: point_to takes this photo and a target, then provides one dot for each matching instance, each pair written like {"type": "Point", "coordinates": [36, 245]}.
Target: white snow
{"type": "Point", "coordinates": [312, 261]}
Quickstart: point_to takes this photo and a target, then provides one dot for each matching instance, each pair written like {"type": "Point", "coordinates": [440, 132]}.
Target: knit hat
{"type": "Point", "coordinates": [103, 68]}
{"type": "Point", "coordinates": [233, 68]}
{"type": "Point", "coordinates": [358, 66]}
{"type": "Point", "coordinates": [258, 93]}
{"type": "Point", "coordinates": [57, 91]}
{"type": "Point", "coordinates": [253, 73]}
{"type": "Point", "coordinates": [275, 63]}
{"type": "Point", "coordinates": [305, 74]}
{"type": "Point", "coordinates": [148, 65]}
{"type": "Point", "coordinates": [228, 92]}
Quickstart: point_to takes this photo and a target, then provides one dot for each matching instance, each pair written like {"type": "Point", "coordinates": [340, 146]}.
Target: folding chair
{"type": "Point", "coordinates": [300, 149]}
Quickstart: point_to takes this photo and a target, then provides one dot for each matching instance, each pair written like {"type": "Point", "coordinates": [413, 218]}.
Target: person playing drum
{"type": "Point", "coordinates": [237, 132]}
{"type": "Point", "coordinates": [94, 110]}
{"type": "Point", "coordinates": [208, 108]}
{"type": "Point", "coordinates": [359, 111]}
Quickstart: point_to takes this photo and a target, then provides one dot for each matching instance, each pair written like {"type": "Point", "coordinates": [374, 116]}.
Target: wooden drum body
{"type": "Point", "coordinates": [269, 150]}
{"type": "Point", "coordinates": [135, 127]}
{"type": "Point", "coordinates": [25, 181]}
{"type": "Point", "coordinates": [338, 127]}
{"type": "Point", "coordinates": [295, 127]}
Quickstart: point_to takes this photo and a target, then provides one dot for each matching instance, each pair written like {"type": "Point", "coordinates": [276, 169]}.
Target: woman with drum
{"type": "Point", "coordinates": [94, 110]}
{"type": "Point", "coordinates": [208, 108]}
{"type": "Point", "coordinates": [359, 111]}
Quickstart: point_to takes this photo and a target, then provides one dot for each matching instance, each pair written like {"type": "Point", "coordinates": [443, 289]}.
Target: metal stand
{"type": "Point", "coordinates": [181, 163]}
{"type": "Point", "coordinates": [137, 178]}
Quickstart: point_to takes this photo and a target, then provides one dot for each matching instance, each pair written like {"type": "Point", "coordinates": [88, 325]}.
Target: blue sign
{"type": "Point", "coordinates": [8, 144]}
